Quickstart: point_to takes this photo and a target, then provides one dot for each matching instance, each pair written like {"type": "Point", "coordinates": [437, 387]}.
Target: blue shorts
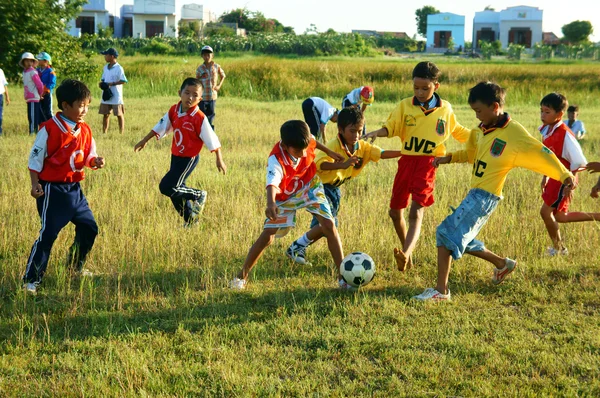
{"type": "Point", "coordinates": [458, 231]}
{"type": "Point", "coordinates": [334, 196]}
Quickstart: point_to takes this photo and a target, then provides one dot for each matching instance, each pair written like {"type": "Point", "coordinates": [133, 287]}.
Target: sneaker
{"type": "Point", "coordinates": [501, 273]}
{"type": "Point", "coordinates": [553, 252]}
{"type": "Point", "coordinates": [433, 295]}
{"type": "Point", "coordinates": [297, 253]}
{"type": "Point", "coordinates": [198, 204]}
{"type": "Point", "coordinates": [84, 273]}
{"type": "Point", "coordinates": [30, 288]}
{"type": "Point", "coordinates": [343, 285]}
{"type": "Point", "coordinates": [237, 284]}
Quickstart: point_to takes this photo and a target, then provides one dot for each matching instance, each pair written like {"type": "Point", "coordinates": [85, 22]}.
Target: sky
{"type": "Point", "coordinates": [392, 15]}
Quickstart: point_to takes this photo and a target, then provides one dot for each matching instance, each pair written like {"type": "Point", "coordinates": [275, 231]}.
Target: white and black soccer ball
{"type": "Point", "coordinates": [357, 269]}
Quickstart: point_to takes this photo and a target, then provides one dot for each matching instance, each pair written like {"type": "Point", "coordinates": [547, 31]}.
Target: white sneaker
{"type": "Point", "coordinates": [501, 273]}
{"type": "Point", "coordinates": [237, 284]}
{"type": "Point", "coordinates": [553, 252]}
{"type": "Point", "coordinates": [297, 253]}
{"type": "Point", "coordinates": [30, 288]}
{"type": "Point", "coordinates": [432, 294]}
{"type": "Point", "coordinates": [84, 273]}
{"type": "Point", "coordinates": [343, 285]}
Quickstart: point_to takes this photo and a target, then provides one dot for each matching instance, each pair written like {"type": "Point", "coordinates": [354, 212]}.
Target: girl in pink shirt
{"type": "Point", "coordinates": [33, 89]}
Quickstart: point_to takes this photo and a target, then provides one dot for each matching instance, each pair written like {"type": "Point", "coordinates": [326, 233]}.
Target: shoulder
{"type": "Point", "coordinates": [446, 105]}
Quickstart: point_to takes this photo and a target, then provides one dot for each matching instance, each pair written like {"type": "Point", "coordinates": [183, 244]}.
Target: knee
{"type": "Point", "coordinates": [165, 188]}
{"type": "Point", "coordinates": [395, 214]}
{"type": "Point", "coordinates": [327, 226]}
{"type": "Point", "coordinates": [560, 217]}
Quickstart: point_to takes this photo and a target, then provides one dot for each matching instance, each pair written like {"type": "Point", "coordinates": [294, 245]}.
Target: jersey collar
{"type": "Point", "coordinates": [343, 146]}
{"type": "Point", "coordinates": [547, 130]}
{"type": "Point", "coordinates": [191, 112]}
{"type": "Point", "coordinates": [502, 123]}
{"type": "Point", "coordinates": [65, 125]}
{"type": "Point", "coordinates": [434, 103]}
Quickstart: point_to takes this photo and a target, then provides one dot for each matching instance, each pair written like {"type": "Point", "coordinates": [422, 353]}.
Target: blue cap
{"type": "Point", "coordinates": [110, 51]}
{"type": "Point", "coordinates": [44, 56]}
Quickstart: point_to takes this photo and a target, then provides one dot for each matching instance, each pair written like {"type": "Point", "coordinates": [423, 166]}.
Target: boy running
{"type": "Point", "coordinates": [423, 123]}
{"type": "Point", "coordinates": [317, 112]}
{"type": "Point", "coordinates": [191, 131]}
{"type": "Point", "coordinates": [561, 140]}
{"type": "Point", "coordinates": [293, 184]}
{"type": "Point", "coordinates": [356, 154]}
{"type": "Point", "coordinates": [499, 145]}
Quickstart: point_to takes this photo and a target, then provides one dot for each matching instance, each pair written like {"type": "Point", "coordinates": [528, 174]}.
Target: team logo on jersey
{"type": "Point", "coordinates": [409, 120]}
{"type": "Point", "coordinates": [440, 127]}
{"type": "Point", "coordinates": [188, 126]}
{"type": "Point", "coordinates": [546, 150]}
{"type": "Point", "coordinates": [35, 151]}
{"type": "Point", "coordinates": [497, 147]}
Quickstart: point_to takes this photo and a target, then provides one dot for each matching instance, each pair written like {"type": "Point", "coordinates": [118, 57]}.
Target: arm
{"type": "Point", "coordinates": [390, 154]}
{"type": "Point", "coordinates": [6, 94]}
{"type": "Point", "coordinates": [460, 133]}
{"type": "Point", "coordinates": [220, 163]}
{"type": "Point", "coordinates": [36, 187]}
{"type": "Point", "coordinates": [271, 210]}
{"type": "Point", "coordinates": [544, 182]}
{"type": "Point", "coordinates": [322, 130]}
{"type": "Point", "coordinates": [332, 154]}
{"type": "Point", "coordinates": [595, 190]}
{"type": "Point", "coordinates": [438, 161]}
{"type": "Point", "coordinates": [38, 83]}
{"type": "Point", "coordinates": [466, 155]}
{"type": "Point", "coordinates": [93, 160]}
{"type": "Point", "coordinates": [534, 156]}
{"type": "Point", "coordinates": [363, 108]}
{"type": "Point", "coordinates": [350, 162]}
{"type": "Point", "coordinates": [382, 132]}
{"type": "Point", "coordinates": [222, 76]}
{"type": "Point", "coordinates": [142, 144]}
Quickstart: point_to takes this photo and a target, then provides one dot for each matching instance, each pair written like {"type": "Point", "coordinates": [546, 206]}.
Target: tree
{"type": "Point", "coordinates": [421, 15]}
{"type": "Point", "coordinates": [39, 25]}
{"type": "Point", "coordinates": [254, 21]}
{"type": "Point", "coordinates": [489, 8]}
{"type": "Point", "coordinates": [577, 31]}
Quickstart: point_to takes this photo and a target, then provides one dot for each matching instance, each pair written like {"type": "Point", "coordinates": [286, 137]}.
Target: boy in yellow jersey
{"type": "Point", "coordinates": [499, 145]}
{"type": "Point", "coordinates": [423, 123]}
{"type": "Point", "coordinates": [356, 154]}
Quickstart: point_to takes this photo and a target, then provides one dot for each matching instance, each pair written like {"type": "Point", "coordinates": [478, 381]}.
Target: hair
{"type": "Point", "coordinates": [295, 134]}
{"type": "Point", "coordinates": [573, 108]}
{"type": "Point", "coordinates": [349, 116]}
{"type": "Point", "coordinates": [427, 70]}
{"type": "Point", "coordinates": [556, 101]}
{"type": "Point", "coordinates": [190, 81]}
{"type": "Point", "coordinates": [487, 93]}
{"type": "Point", "coordinates": [71, 90]}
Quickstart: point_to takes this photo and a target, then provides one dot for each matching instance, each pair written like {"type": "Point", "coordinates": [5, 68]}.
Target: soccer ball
{"type": "Point", "coordinates": [357, 269]}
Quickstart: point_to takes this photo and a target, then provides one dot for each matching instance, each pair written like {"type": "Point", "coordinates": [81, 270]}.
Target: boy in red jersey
{"type": "Point", "coordinates": [423, 123]}
{"type": "Point", "coordinates": [293, 184]}
{"type": "Point", "coordinates": [561, 140]}
{"type": "Point", "coordinates": [63, 146]}
{"type": "Point", "coordinates": [191, 131]}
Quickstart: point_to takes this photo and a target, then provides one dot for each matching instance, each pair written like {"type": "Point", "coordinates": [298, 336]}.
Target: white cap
{"type": "Point", "coordinates": [207, 48]}
{"type": "Point", "coordinates": [27, 56]}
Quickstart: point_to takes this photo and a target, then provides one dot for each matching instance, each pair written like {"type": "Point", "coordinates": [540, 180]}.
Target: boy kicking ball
{"type": "Point", "coordinates": [499, 145]}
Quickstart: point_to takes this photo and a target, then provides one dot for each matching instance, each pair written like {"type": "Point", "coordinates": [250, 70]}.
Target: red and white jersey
{"type": "Point", "coordinates": [61, 150]}
{"type": "Point", "coordinates": [560, 140]}
{"type": "Point", "coordinates": [191, 131]}
{"type": "Point", "coordinates": [287, 175]}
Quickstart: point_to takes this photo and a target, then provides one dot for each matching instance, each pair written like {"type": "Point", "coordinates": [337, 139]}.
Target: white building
{"type": "Point", "coordinates": [520, 25]}
{"type": "Point", "coordinates": [486, 27]}
{"type": "Point", "coordinates": [156, 17]}
{"type": "Point", "coordinates": [441, 27]}
{"type": "Point", "coordinates": [94, 13]}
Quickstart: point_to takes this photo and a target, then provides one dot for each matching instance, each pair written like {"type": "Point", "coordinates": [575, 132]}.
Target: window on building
{"type": "Point", "coordinates": [155, 28]}
{"type": "Point", "coordinates": [86, 24]}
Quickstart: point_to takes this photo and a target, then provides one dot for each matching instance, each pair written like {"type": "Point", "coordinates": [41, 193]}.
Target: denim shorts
{"type": "Point", "coordinates": [458, 231]}
{"type": "Point", "coordinates": [334, 196]}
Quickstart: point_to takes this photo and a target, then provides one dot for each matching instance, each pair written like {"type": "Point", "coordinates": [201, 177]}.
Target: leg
{"type": "Point", "coordinates": [333, 240]}
{"type": "Point", "coordinates": [173, 184]}
{"type": "Point", "coordinates": [415, 220]}
{"type": "Point", "coordinates": [37, 112]}
{"type": "Point", "coordinates": [311, 117]}
{"type": "Point", "coordinates": [105, 123]}
{"type": "Point", "coordinates": [256, 251]}
{"type": "Point", "coordinates": [1, 111]}
{"type": "Point", "coordinates": [121, 120]}
{"type": "Point", "coordinates": [30, 116]}
{"type": "Point", "coordinates": [444, 263]}
{"type": "Point", "coordinates": [563, 217]}
{"type": "Point", "coordinates": [485, 254]}
{"type": "Point", "coordinates": [86, 231]}
{"type": "Point", "coordinates": [547, 214]}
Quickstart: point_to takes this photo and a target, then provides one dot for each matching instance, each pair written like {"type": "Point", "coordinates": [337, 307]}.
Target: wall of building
{"type": "Point", "coordinates": [446, 22]}
{"type": "Point", "coordinates": [139, 24]}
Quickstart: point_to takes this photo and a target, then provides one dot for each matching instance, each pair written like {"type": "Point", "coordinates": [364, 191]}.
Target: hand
{"type": "Point", "coordinates": [99, 162]}
{"type": "Point", "coordinates": [100, 85]}
{"type": "Point", "coordinates": [217, 88]}
{"type": "Point", "coordinates": [7, 101]}
{"type": "Point", "coordinates": [36, 190]}
{"type": "Point", "coordinates": [350, 162]}
{"type": "Point", "coordinates": [593, 167]}
{"type": "Point", "coordinates": [543, 183]}
{"type": "Point", "coordinates": [437, 161]}
{"type": "Point", "coordinates": [569, 187]}
{"type": "Point", "coordinates": [595, 191]}
{"type": "Point", "coordinates": [221, 166]}
{"type": "Point", "coordinates": [271, 212]}
{"type": "Point", "coordinates": [371, 136]}
{"type": "Point", "coordinates": [336, 157]}
{"type": "Point", "coordinates": [140, 145]}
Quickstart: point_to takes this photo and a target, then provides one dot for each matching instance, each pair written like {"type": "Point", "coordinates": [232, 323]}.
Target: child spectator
{"type": "Point", "coordinates": [293, 184]}
{"type": "Point", "coordinates": [33, 89]}
{"type": "Point", "coordinates": [499, 145]}
{"type": "Point", "coordinates": [574, 124]}
{"type": "Point", "coordinates": [317, 112]}
{"type": "Point", "coordinates": [357, 154]}
{"type": "Point", "coordinates": [3, 94]}
{"type": "Point", "coordinates": [558, 138]}
{"type": "Point", "coordinates": [212, 77]}
{"type": "Point", "coordinates": [113, 78]}
{"type": "Point", "coordinates": [191, 131]}
{"type": "Point", "coordinates": [48, 78]}
{"type": "Point", "coordinates": [362, 97]}
{"type": "Point", "coordinates": [423, 123]}
{"type": "Point", "coordinates": [62, 148]}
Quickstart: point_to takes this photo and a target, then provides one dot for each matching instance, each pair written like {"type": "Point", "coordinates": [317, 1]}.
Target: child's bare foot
{"type": "Point", "coordinates": [409, 264]}
{"type": "Point", "coordinates": [401, 260]}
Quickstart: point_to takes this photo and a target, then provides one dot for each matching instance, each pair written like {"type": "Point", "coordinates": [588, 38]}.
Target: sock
{"type": "Point", "coordinates": [304, 241]}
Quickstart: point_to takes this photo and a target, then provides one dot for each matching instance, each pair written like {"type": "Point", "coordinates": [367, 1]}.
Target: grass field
{"type": "Point", "coordinates": [158, 320]}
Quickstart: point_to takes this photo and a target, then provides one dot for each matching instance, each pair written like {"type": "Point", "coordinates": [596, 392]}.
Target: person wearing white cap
{"type": "Point", "coordinates": [212, 76]}
{"type": "Point", "coordinates": [33, 89]}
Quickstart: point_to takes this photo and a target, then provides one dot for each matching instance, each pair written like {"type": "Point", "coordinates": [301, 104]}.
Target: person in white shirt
{"type": "Point", "coordinates": [113, 78]}
{"type": "Point", "coordinates": [3, 94]}
{"type": "Point", "coordinates": [317, 112]}
{"type": "Point", "coordinates": [576, 126]}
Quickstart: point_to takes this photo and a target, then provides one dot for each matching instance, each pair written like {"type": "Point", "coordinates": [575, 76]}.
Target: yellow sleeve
{"type": "Point", "coordinates": [322, 158]}
{"type": "Point", "coordinates": [534, 156]}
{"type": "Point", "coordinates": [460, 133]}
{"type": "Point", "coordinates": [467, 155]}
{"type": "Point", "coordinates": [394, 122]}
{"type": "Point", "coordinates": [372, 153]}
